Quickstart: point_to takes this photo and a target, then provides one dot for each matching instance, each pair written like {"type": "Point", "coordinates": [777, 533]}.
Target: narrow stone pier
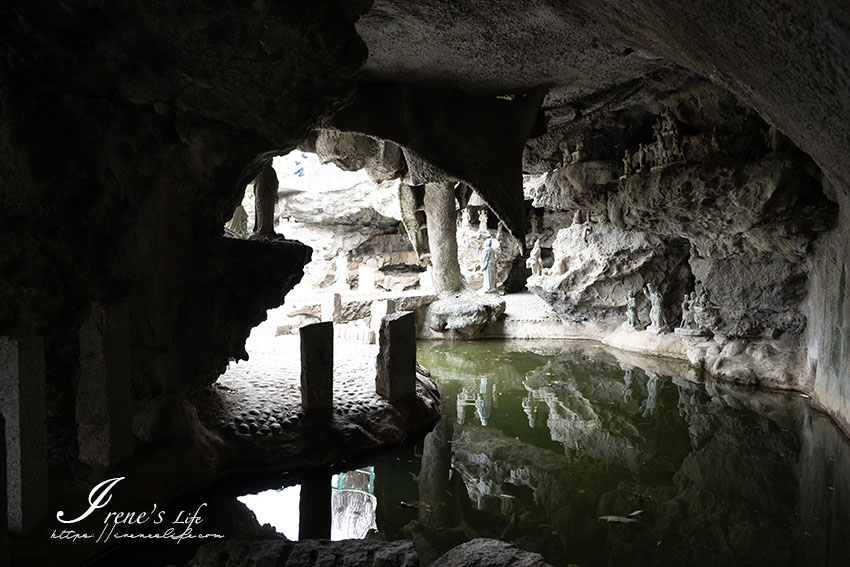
{"type": "Point", "coordinates": [396, 365]}
{"type": "Point", "coordinates": [332, 308]}
{"type": "Point", "coordinates": [380, 308]}
{"type": "Point", "coordinates": [104, 405]}
{"type": "Point", "coordinates": [317, 365]}
{"type": "Point", "coordinates": [23, 404]}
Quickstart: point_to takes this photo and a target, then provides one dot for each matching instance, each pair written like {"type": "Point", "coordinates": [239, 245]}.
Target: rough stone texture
{"type": "Point", "coordinates": [461, 315]}
{"type": "Point", "coordinates": [104, 403]}
{"type": "Point", "coordinates": [396, 364]}
{"type": "Point", "coordinates": [596, 265]}
{"type": "Point", "coordinates": [442, 240]}
{"type": "Point", "coordinates": [4, 516]}
{"type": "Point", "coordinates": [306, 553]}
{"type": "Point", "coordinates": [481, 552]}
{"type": "Point", "coordinates": [23, 404]}
{"type": "Point", "coordinates": [317, 366]}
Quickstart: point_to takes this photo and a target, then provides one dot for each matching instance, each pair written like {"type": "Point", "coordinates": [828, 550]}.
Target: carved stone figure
{"type": "Point", "coordinates": [482, 221]}
{"type": "Point", "coordinates": [632, 321]}
{"type": "Point", "coordinates": [265, 198]}
{"type": "Point", "coordinates": [487, 261]}
{"type": "Point", "coordinates": [238, 224]}
{"type": "Point", "coordinates": [534, 262]}
{"type": "Point", "coordinates": [627, 164]}
{"type": "Point", "coordinates": [641, 157]}
{"type": "Point", "coordinates": [688, 326]}
{"type": "Point", "coordinates": [341, 281]}
{"type": "Point", "coordinates": [465, 222]}
{"type": "Point", "coordinates": [657, 321]}
{"type": "Point", "coordinates": [579, 155]}
{"type": "Point", "coordinates": [773, 139]}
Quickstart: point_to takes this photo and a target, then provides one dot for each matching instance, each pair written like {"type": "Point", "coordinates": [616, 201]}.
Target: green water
{"type": "Point", "coordinates": [540, 440]}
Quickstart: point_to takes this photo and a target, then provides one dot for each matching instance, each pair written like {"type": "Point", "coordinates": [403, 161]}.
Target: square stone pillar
{"type": "Point", "coordinates": [4, 519]}
{"type": "Point", "coordinates": [396, 367]}
{"type": "Point", "coordinates": [23, 404]}
{"type": "Point", "coordinates": [332, 308]}
{"type": "Point", "coordinates": [317, 366]}
{"type": "Point", "coordinates": [380, 309]}
{"type": "Point", "coordinates": [104, 405]}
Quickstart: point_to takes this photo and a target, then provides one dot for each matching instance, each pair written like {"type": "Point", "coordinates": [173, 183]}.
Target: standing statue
{"type": "Point", "coordinates": [687, 311]}
{"type": "Point", "coordinates": [238, 225]}
{"type": "Point", "coordinates": [534, 262]}
{"type": "Point", "coordinates": [464, 220]}
{"type": "Point", "coordinates": [482, 221]}
{"type": "Point", "coordinates": [627, 164]}
{"type": "Point", "coordinates": [265, 199]}
{"type": "Point", "coordinates": [657, 322]}
{"type": "Point", "coordinates": [632, 321]}
{"type": "Point", "coordinates": [341, 281]}
{"type": "Point", "coordinates": [641, 157]}
{"type": "Point", "coordinates": [487, 261]}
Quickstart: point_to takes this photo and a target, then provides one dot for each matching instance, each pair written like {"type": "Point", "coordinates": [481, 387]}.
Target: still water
{"type": "Point", "coordinates": [592, 457]}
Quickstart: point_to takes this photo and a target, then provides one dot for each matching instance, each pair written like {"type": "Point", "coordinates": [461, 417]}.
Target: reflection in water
{"type": "Point", "coordinates": [558, 438]}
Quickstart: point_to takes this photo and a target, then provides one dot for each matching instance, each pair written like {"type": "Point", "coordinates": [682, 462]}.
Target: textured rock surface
{"type": "Point", "coordinates": [306, 553]}
{"type": "Point", "coordinates": [461, 315]}
{"type": "Point", "coordinates": [489, 552]}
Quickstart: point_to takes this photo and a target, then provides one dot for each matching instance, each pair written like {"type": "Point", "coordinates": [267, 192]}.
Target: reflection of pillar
{"type": "Point", "coordinates": [442, 234]}
{"type": "Point", "coordinates": [23, 404]}
{"type": "Point", "coordinates": [434, 477]}
{"type": "Point", "coordinates": [315, 506]}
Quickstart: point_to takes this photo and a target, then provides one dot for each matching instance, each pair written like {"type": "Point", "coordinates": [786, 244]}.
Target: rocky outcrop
{"type": "Point", "coordinates": [464, 314]}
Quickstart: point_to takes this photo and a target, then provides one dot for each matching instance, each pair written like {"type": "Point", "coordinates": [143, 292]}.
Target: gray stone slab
{"type": "Point", "coordinates": [332, 308]}
{"type": "Point", "coordinates": [23, 404]}
{"type": "Point", "coordinates": [104, 404]}
{"type": "Point", "coordinates": [317, 364]}
{"type": "Point", "coordinates": [396, 364]}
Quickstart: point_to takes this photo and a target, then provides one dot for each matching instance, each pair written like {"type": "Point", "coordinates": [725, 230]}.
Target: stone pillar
{"type": "Point", "coordinates": [265, 198]}
{"type": "Point", "coordinates": [332, 308]}
{"type": "Point", "coordinates": [23, 404]}
{"type": "Point", "coordinates": [442, 234]}
{"type": "Point", "coordinates": [365, 278]}
{"type": "Point", "coordinates": [380, 309]}
{"type": "Point", "coordinates": [396, 366]}
{"type": "Point", "coordinates": [4, 519]}
{"type": "Point", "coordinates": [104, 406]}
{"type": "Point", "coordinates": [317, 365]}
{"type": "Point", "coordinates": [315, 506]}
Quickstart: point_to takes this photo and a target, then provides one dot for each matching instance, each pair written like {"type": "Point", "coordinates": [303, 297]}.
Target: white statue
{"type": "Point", "coordinates": [482, 221]}
{"type": "Point", "coordinates": [657, 322]}
{"type": "Point", "coordinates": [632, 320]}
{"type": "Point", "coordinates": [464, 220]}
{"type": "Point", "coordinates": [238, 224]}
{"type": "Point", "coordinates": [487, 261]}
{"type": "Point", "coordinates": [534, 262]}
{"type": "Point", "coordinates": [341, 281]}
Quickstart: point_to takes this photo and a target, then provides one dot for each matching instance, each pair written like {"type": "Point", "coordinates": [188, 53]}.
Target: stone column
{"type": "Point", "coordinates": [396, 366]}
{"type": "Point", "coordinates": [23, 404]}
{"type": "Point", "coordinates": [317, 365]}
{"type": "Point", "coordinates": [442, 235]}
{"type": "Point", "coordinates": [104, 405]}
{"type": "Point", "coordinates": [265, 198]}
{"type": "Point", "coordinates": [380, 309]}
{"type": "Point", "coordinates": [314, 521]}
{"type": "Point", "coordinates": [332, 308]}
{"type": "Point", "coordinates": [4, 519]}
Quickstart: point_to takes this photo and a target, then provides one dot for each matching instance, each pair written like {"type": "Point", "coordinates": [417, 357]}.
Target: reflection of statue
{"type": "Point", "coordinates": [651, 395]}
{"type": "Point", "coordinates": [657, 322]}
{"type": "Point", "coordinates": [484, 402]}
{"type": "Point", "coordinates": [464, 220]}
{"type": "Point", "coordinates": [632, 320]}
{"type": "Point", "coordinates": [487, 261]}
{"type": "Point", "coordinates": [534, 262]}
{"type": "Point", "coordinates": [482, 221]}
{"type": "Point", "coordinates": [265, 198]}
{"type": "Point", "coordinates": [238, 224]}
{"type": "Point", "coordinates": [627, 390]}
{"type": "Point", "coordinates": [530, 409]}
